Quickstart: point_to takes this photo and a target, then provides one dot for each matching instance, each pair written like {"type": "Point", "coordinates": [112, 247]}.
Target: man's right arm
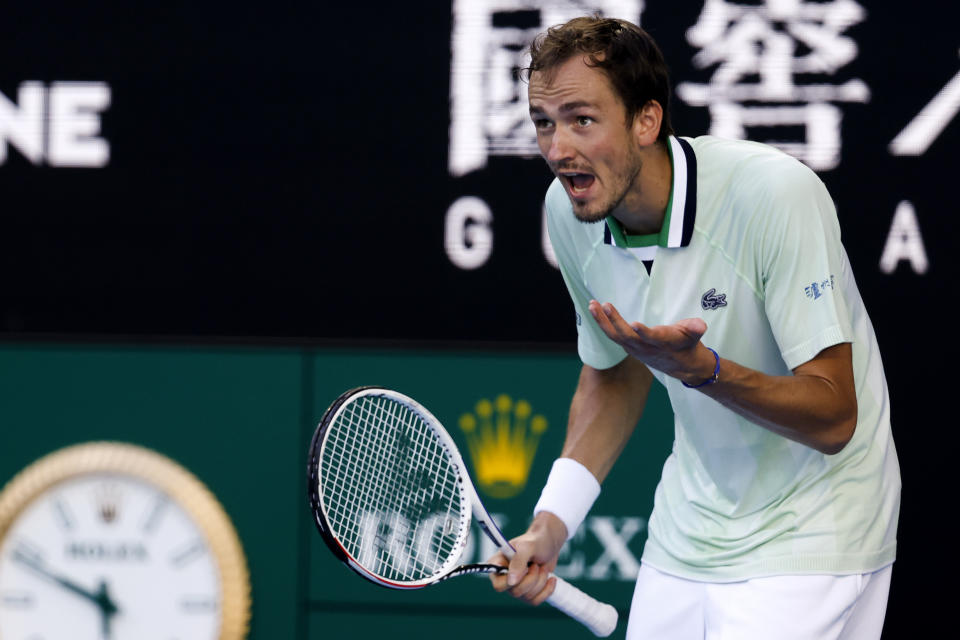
{"type": "Point", "coordinates": [605, 409]}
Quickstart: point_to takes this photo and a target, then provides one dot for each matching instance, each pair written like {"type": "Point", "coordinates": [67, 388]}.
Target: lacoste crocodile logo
{"type": "Point", "coordinates": [711, 300]}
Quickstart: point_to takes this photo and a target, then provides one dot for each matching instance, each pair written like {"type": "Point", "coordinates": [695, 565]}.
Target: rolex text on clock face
{"type": "Point", "coordinates": [107, 556]}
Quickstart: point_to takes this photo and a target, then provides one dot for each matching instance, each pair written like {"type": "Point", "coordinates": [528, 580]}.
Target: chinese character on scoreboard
{"type": "Point", "coordinates": [489, 115]}
{"type": "Point", "coordinates": [778, 65]}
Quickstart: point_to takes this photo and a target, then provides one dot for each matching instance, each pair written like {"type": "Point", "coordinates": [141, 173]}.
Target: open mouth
{"type": "Point", "coordinates": [579, 183]}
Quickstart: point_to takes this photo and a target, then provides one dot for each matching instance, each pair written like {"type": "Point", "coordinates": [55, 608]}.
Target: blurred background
{"type": "Point", "coordinates": [216, 218]}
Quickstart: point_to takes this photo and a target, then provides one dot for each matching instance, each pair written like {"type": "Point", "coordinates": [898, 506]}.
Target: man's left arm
{"type": "Point", "coordinates": [816, 406]}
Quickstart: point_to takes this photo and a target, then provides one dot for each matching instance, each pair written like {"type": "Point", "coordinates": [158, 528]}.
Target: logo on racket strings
{"type": "Point", "coordinates": [502, 438]}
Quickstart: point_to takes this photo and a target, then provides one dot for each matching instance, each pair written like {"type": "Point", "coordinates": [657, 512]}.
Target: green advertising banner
{"type": "Point", "coordinates": [240, 420]}
{"type": "Point", "coordinates": [507, 414]}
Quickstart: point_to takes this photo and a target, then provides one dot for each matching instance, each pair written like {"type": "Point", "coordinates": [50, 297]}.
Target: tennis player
{"type": "Point", "coordinates": [714, 266]}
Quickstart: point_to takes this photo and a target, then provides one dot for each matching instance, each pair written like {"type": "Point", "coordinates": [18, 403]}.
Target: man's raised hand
{"type": "Point", "coordinates": [673, 349]}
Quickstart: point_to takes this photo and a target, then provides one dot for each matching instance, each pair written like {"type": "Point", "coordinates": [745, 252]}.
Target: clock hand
{"type": "Point", "coordinates": [101, 598]}
{"type": "Point", "coordinates": [107, 608]}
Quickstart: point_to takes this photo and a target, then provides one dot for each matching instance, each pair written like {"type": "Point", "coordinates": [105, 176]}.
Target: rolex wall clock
{"type": "Point", "coordinates": [110, 541]}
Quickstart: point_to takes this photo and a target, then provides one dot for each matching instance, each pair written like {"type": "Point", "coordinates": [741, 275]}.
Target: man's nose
{"type": "Point", "coordinates": [560, 148]}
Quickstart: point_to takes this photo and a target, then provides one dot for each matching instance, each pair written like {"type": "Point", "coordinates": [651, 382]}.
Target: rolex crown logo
{"type": "Point", "coordinates": [502, 438]}
{"type": "Point", "coordinates": [107, 498]}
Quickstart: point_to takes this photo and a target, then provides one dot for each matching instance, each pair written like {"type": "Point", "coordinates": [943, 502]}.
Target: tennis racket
{"type": "Point", "coordinates": [392, 499]}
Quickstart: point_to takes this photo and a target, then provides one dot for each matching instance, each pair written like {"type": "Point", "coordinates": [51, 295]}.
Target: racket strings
{"type": "Point", "coordinates": [415, 449]}
{"type": "Point", "coordinates": [422, 454]}
{"type": "Point", "coordinates": [391, 493]}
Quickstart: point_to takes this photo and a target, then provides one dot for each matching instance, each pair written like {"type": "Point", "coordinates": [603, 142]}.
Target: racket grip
{"type": "Point", "coordinates": [599, 617]}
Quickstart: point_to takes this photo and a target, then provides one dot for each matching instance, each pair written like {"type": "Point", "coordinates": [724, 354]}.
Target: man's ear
{"type": "Point", "coordinates": [646, 123]}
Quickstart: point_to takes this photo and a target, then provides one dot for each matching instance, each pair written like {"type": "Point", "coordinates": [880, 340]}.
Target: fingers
{"type": "Point", "coordinates": [535, 585]}
{"type": "Point", "coordinates": [694, 327]}
{"type": "Point", "coordinates": [596, 310]}
{"type": "Point", "coordinates": [499, 580]}
{"type": "Point", "coordinates": [683, 334]}
{"type": "Point", "coordinates": [520, 563]}
{"type": "Point", "coordinates": [535, 556]}
{"type": "Point", "coordinates": [546, 592]}
{"type": "Point", "coordinates": [613, 324]}
{"type": "Point", "coordinates": [518, 566]}
{"type": "Point", "coordinates": [528, 577]}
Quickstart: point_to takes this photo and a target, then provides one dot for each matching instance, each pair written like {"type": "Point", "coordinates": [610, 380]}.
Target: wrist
{"type": "Point", "coordinates": [568, 494]}
{"type": "Point", "coordinates": [551, 527]}
{"type": "Point", "coordinates": [697, 380]}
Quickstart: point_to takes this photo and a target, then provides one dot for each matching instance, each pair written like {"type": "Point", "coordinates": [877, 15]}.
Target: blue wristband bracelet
{"type": "Point", "coordinates": [711, 379]}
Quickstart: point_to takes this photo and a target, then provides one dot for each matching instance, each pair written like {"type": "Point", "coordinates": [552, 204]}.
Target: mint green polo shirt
{"type": "Point", "coordinates": [751, 244]}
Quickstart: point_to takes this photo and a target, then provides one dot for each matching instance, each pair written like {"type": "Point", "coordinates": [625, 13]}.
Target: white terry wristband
{"type": "Point", "coordinates": [569, 493]}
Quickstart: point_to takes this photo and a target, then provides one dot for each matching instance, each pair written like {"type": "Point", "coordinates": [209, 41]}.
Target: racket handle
{"type": "Point", "coordinates": [599, 617]}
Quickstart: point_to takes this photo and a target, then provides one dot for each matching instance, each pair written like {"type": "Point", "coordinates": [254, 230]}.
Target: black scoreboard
{"type": "Point", "coordinates": [254, 172]}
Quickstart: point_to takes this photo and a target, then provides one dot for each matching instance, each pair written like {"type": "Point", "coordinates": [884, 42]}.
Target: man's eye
{"type": "Point", "coordinates": [583, 121]}
{"type": "Point", "coordinates": [541, 123]}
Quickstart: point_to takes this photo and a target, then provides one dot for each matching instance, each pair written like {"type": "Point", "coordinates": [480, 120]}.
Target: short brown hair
{"type": "Point", "coordinates": [622, 50]}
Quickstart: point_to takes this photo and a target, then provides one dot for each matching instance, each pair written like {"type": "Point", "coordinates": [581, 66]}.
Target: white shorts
{"type": "Point", "coordinates": [819, 607]}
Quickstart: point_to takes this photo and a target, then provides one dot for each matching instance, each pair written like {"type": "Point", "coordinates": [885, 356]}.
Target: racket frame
{"type": "Point", "coordinates": [469, 499]}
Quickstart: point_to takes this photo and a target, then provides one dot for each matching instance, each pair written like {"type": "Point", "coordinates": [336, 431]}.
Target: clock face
{"type": "Point", "coordinates": [107, 554]}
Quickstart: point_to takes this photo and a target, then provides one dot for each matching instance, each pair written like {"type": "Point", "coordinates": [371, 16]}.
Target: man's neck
{"type": "Point", "coordinates": [644, 208]}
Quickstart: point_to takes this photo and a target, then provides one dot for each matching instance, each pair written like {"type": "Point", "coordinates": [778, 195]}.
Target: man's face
{"type": "Point", "coordinates": [583, 135]}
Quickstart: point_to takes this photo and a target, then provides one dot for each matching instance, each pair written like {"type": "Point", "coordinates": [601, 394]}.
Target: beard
{"type": "Point", "coordinates": [620, 185]}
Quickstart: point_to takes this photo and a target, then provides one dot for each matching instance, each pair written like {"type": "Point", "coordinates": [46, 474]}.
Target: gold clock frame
{"type": "Point", "coordinates": [180, 485]}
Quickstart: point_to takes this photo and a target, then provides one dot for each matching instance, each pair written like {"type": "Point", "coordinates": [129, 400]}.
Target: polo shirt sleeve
{"type": "Point", "coordinates": [803, 265]}
{"type": "Point", "coordinates": [593, 346]}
